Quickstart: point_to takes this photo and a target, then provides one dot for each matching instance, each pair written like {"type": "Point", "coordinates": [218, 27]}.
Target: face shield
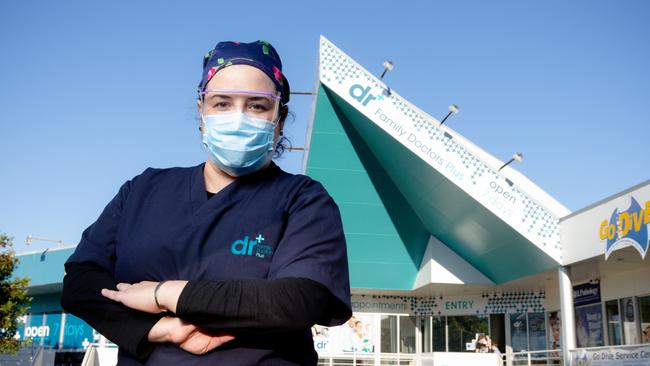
{"type": "Point", "coordinates": [239, 128]}
{"type": "Point", "coordinates": [256, 104]}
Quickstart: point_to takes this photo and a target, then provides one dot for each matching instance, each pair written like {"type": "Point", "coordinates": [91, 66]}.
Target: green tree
{"type": "Point", "coordinates": [14, 301]}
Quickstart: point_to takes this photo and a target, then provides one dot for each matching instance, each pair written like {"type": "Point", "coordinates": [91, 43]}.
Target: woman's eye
{"type": "Point", "coordinates": [258, 107]}
{"type": "Point", "coordinates": [221, 105]}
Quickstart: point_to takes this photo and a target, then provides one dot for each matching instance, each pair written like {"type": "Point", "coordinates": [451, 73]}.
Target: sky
{"type": "Point", "coordinates": [94, 92]}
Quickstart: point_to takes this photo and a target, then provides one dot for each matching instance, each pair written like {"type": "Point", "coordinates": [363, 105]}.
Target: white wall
{"type": "Point", "coordinates": [623, 284]}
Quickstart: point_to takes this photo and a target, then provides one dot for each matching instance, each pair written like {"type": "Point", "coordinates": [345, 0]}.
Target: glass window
{"type": "Point", "coordinates": [407, 334]}
{"type": "Point", "coordinates": [537, 332]}
{"type": "Point", "coordinates": [630, 333]}
{"type": "Point", "coordinates": [439, 336]}
{"type": "Point", "coordinates": [36, 330]}
{"type": "Point", "coordinates": [463, 329]}
{"type": "Point", "coordinates": [589, 326]}
{"type": "Point", "coordinates": [53, 330]}
{"type": "Point", "coordinates": [613, 323]}
{"type": "Point", "coordinates": [644, 314]}
{"type": "Point", "coordinates": [433, 334]}
{"type": "Point", "coordinates": [76, 332]}
{"type": "Point", "coordinates": [518, 333]}
{"type": "Point", "coordinates": [554, 331]}
{"type": "Point", "coordinates": [389, 334]}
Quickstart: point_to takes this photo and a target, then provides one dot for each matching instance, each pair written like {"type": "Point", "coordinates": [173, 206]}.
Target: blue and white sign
{"type": "Point", "coordinates": [585, 294]}
{"type": "Point", "coordinates": [627, 227]}
{"type": "Point", "coordinates": [524, 206]}
{"type": "Point", "coordinates": [611, 356]}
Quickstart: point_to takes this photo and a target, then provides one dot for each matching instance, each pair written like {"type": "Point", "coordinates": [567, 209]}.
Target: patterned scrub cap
{"type": "Point", "coordinates": [259, 54]}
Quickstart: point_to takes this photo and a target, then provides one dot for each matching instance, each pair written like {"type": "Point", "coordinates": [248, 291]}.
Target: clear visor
{"type": "Point", "coordinates": [258, 104]}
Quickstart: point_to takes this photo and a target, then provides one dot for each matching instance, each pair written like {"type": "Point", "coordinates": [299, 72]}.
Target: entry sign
{"type": "Point", "coordinates": [586, 293]}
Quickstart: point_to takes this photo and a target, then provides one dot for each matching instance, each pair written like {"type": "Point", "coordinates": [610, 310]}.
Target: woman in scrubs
{"type": "Point", "coordinates": [229, 262]}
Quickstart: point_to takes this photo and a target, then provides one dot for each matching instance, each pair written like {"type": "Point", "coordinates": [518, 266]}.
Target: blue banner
{"type": "Point", "coordinates": [586, 294]}
{"type": "Point", "coordinates": [589, 326]}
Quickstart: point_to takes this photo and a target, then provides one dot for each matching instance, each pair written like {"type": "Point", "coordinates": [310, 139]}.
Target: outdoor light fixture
{"type": "Point", "coordinates": [43, 254]}
{"type": "Point", "coordinates": [30, 239]}
{"type": "Point", "coordinates": [518, 156]}
{"type": "Point", "coordinates": [388, 66]}
{"type": "Point", "coordinates": [453, 109]}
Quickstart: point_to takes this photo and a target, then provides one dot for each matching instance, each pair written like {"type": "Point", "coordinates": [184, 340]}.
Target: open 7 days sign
{"type": "Point", "coordinates": [628, 227]}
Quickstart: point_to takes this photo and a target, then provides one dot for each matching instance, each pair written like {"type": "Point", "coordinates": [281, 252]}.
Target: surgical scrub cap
{"type": "Point", "coordinates": [259, 54]}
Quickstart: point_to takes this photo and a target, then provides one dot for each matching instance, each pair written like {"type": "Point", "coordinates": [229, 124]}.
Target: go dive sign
{"type": "Point", "coordinates": [629, 227]}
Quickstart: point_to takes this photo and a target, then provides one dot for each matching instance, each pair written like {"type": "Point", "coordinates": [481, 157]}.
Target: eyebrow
{"type": "Point", "coordinates": [220, 96]}
{"type": "Point", "coordinates": [257, 98]}
{"type": "Point", "coordinates": [271, 94]}
{"type": "Point", "coordinates": [251, 98]}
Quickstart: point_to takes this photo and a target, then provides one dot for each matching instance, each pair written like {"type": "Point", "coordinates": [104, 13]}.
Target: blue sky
{"type": "Point", "coordinates": [92, 93]}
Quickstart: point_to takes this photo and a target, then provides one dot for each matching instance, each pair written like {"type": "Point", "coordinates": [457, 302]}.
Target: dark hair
{"type": "Point", "coordinates": [283, 142]}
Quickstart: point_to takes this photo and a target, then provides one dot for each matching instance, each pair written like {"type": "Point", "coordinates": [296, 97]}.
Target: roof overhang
{"type": "Point", "coordinates": [497, 221]}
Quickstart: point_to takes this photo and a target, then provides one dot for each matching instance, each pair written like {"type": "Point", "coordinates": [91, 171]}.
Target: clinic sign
{"type": "Point", "coordinates": [585, 294]}
{"type": "Point", "coordinates": [454, 157]}
{"type": "Point", "coordinates": [381, 304]}
{"type": "Point", "coordinates": [42, 331]}
{"type": "Point", "coordinates": [54, 330]}
{"type": "Point", "coordinates": [495, 303]}
{"type": "Point", "coordinates": [413, 305]}
{"type": "Point", "coordinates": [627, 227]}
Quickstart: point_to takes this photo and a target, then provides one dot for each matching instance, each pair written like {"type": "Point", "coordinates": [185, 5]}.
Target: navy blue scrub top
{"type": "Point", "coordinates": [266, 225]}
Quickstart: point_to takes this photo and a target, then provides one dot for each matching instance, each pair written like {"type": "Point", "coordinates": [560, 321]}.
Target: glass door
{"type": "Point", "coordinates": [644, 315]}
{"type": "Point", "coordinates": [463, 329]}
{"type": "Point", "coordinates": [630, 332]}
{"type": "Point", "coordinates": [613, 317]}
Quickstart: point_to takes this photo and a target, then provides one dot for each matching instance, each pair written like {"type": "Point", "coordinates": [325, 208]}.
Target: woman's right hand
{"type": "Point", "coordinates": [187, 336]}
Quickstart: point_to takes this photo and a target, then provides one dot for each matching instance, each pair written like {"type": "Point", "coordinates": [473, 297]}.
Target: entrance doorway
{"type": "Point", "coordinates": [498, 330]}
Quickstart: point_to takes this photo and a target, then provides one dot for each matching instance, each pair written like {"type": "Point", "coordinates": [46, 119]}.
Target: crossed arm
{"type": "Point", "coordinates": [202, 314]}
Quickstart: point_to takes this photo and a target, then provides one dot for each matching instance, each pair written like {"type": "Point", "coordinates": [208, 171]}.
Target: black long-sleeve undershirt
{"type": "Point", "coordinates": [124, 326]}
{"type": "Point", "coordinates": [259, 306]}
{"type": "Point", "coordinates": [238, 307]}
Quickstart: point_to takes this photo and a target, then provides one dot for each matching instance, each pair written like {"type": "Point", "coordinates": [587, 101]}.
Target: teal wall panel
{"type": "Point", "coordinates": [43, 268]}
{"type": "Point", "coordinates": [47, 302]}
{"type": "Point", "coordinates": [410, 188]}
{"type": "Point", "coordinates": [386, 240]}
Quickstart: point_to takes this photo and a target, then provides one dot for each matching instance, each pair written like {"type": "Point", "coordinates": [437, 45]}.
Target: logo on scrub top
{"type": "Point", "coordinates": [251, 247]}
{"type": "Point", "coordinates": [629, 227]}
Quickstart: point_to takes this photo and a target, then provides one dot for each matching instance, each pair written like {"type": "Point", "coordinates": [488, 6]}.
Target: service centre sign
{"type": "Point", "coordinates": [638, 355]}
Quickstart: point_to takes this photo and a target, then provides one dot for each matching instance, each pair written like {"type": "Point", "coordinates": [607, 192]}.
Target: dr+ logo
{"type": "Point", "coordinates": [251, 247]}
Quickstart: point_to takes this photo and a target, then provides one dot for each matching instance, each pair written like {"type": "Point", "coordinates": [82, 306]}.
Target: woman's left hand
{"type": "Point", "coordinates": [140, 296]}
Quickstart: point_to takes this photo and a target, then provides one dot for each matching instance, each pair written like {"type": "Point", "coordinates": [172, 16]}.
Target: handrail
{"type": "Point", "coordinates": [511, 358]}
{"type": "Point", "coordinates": [537, 351]}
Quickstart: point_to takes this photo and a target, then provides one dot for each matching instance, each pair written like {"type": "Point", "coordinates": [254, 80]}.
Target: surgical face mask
{"type": "Point", "coordinates": [239, 126]}
{"type": "Point", "coordinates": [238, 143]}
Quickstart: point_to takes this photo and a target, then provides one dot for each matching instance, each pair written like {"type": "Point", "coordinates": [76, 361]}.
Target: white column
{"type": "Point", "coordinates": [62, 331]}
{"type": "Point", "coordinates": [568, 326]}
